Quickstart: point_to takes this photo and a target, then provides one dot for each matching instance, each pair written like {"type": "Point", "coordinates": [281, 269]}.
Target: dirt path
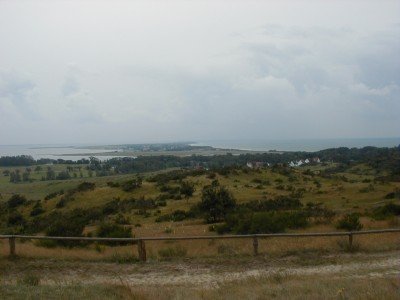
{"type": "Point", "coordinates": [189, 273]}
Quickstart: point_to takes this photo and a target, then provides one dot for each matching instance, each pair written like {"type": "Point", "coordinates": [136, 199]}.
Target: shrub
{"type": "Point", "coordinates": [216, 202]}
{"type": "Point", "coordinates": [386, 211]}
{"type": "Point", "coordinates": [16, 219]}
{"type": "Point", "coordinates": [85, 186]}
{"type": "Point", "coordinates": [53, 195]}
{"type": "Point", "coordinates": [67, 226]}
{"type": "Point", "coordinates": [350, 222]}
{"type": "Point", "coordinates": [16, 200]}
{"type": "Point", "coordinates": [279, 203]}
{"type": "Point", "coordinates": [111, 230]}
{"type": "Point", "coordinates": [262, 222]}
{"type": "Point", "coordinates": [113, 184]}
{"type": "Point", "coordinates": [37, 209]}
{"type": "Point", "coordinates": [393, 195]}
{"type": "Point", "coordinates": [63, 175]}
{"type": "Point", "coordinates": [187, 189]}
{"type": "Point", "coordinates": [121, 219]}
{"type": "Point", "coordinates": [319, 213]}
{"type": "Point", "coordinates": [61, 203]}
{"type": "Point", "coordinates": [176, 216]}
{"type": "Point", "coordinates": [131, 185]}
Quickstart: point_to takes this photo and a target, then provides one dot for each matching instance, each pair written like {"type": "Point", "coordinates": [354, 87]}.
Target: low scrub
{"type": "Point", "coordinates": [350, 222]}
{"type": "Point", "coordinates": [176, 216]}
{"type": "Point", "coordinates": [16, 200]}
{"type": "Point", "coordinates": [262, 222]}
{"type": "Point", "coordinates": [386, 211]}
{"type": "Point", "coordinates": [112, 230]}
{"type": "Point", "coordinates": [279, 203]}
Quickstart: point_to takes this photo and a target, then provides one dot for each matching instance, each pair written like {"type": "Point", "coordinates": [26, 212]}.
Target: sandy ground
{"type": "Point", "coordinates": [202, 274]}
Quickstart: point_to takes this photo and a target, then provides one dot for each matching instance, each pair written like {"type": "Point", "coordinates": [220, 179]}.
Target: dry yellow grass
{"type": "Point", "coordinates": [269, 247]}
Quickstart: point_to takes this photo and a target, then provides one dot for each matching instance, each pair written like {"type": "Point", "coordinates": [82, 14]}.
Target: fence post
{"type": "Point", "coordinates": [142, 250]}
{"type": "Point", "coordinates": [11, 242]}
{"type": "Point", "coordinates": [351, 240]}
{"type": "Point", "coordinates": [255, 245]}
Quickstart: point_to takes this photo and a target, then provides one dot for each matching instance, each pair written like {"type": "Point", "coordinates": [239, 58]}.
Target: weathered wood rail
{"type": "Point", "coordinates": [142, 245]}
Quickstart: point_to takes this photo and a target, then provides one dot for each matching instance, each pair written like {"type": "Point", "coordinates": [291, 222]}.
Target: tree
{"type": "Point", "coordinates": [216, 202]}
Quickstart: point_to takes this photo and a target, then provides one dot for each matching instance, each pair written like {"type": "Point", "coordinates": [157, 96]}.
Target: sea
{"type": "Point", "coordinates": [79, 151]}
{"type": "Point", "coordinates": [309, 145]}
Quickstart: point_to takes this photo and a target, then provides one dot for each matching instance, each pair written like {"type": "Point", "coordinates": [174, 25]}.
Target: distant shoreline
{"type": "Point", "coordinates": [182, 149]}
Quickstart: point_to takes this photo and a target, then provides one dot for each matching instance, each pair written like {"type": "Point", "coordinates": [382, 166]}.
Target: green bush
{"type": "Point", "coordinates": [37, 210]}
{"type": "Point", "coordinates": [350, 222]}
{"type": "Point", "coordinates": [176, 216]}
{"type": "Point", "coordinates": [16, 219]}
{"type": "Point", "coordinates": [85, 186]}
{"type": "Point", "coordinates": [216, 202]}
{"type": "Point", "coordinates": [388, 210]}
{"type": "Point", "coordinates": [111, 230]}
{"type": "Point", "coordinates": [131, 185]}
{"type": "Point", "coordinates": [53, 195]}
{"type": "Point", "coordinates": [16, 200]}
{"type": "Point", "coordinates": [262, 222]}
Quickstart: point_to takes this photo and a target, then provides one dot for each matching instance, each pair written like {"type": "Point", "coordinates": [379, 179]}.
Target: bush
{"type": "Point", "coordinates": [131, 185]}
{"type": "Point", "coordinates": [85, 186]}
{"type": "Point", "coordinates": [16, 200]}
{"type": "Point", "coordinates": [113, 184]}
{"type": "Point", "coordinates": [67, 226]}
{"type": "Point", "coordinates": [110, 230]}
{"type": "Point", "coordinates": [262, 222]}
{"type": "Point", "coordinates": [37, 210]}
{"type": "Point", "coordinates": [388, 210]}
{"type": "Point", "coordinates": [350, 222]}
{"type": "Point", "coordinates": [279, 203]}
{"type": "Point", "coordinates": [216, 202]}
{"type": "Point", "coordinates": [176, 216]}
{"type": "Point", "coordinates": [16, 219]}
{"type": "Point", "coordinates": [53, 195]}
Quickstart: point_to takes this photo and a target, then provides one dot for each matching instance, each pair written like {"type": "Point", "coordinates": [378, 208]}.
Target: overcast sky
{"type": "Point", "coordinates": [126, 72]}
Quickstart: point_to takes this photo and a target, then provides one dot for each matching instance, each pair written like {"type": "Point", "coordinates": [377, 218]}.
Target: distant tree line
{"type": "Point", "coordinates": [378, 158]}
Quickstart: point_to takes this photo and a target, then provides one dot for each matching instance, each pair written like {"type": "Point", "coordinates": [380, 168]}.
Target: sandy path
{"type": "Point", "coordinates": [202, 274]}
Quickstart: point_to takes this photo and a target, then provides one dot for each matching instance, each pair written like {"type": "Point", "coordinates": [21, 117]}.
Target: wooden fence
{"type": "Point", "coordinates": [141, 241]}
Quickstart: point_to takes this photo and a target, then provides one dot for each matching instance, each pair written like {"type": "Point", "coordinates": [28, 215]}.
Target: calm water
{"type": "Point", "coordinates": [50, 151]}
{"type": "Point", "coordinates": [59, 151]}
{"type": "Point", "coordinates": [300, 144]}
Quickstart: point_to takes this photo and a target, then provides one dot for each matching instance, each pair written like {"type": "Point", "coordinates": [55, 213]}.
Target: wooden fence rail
{"type": "Point", "coordinates": [142, 247]}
